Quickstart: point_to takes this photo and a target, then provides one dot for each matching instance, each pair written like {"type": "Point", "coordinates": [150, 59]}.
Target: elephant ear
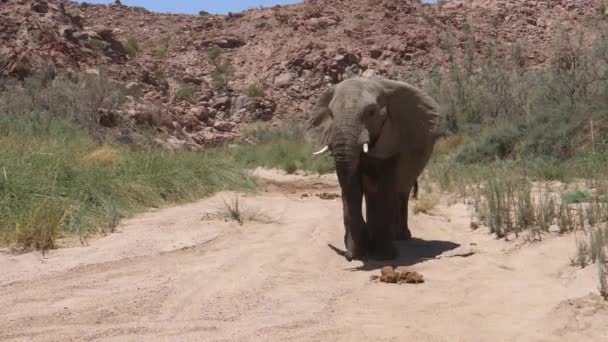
{"type": "Point", "coordinates": [319, 124]}
{"type": "Point", "coordinates": [413, 114]}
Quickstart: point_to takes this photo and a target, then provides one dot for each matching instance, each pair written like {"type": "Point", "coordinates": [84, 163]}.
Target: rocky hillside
{"type": "Point", "coordinates": [281, 56]}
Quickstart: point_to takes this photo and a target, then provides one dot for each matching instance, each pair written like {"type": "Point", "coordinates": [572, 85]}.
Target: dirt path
{"type": "Point", "coordinates": [171, 275]}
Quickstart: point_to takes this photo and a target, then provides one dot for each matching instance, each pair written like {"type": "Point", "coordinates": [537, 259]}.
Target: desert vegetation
{"type": "Point", "coordinates": [64, 172]}
{"type": "Point", "coordinates": [526, 147]}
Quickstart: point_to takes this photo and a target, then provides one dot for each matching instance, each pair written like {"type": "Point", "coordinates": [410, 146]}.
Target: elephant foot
{"type": "Point", "coordinates": [403, 235]}
{"type": "Point", "coordinates": [354, 250]}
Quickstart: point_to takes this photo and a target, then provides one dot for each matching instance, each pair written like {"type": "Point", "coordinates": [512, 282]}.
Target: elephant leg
{"type": "Point", "coordinates": [355, 236]}
{"type": "Point", "coordinates": [400, 227]}
{"type": "Point", "coordinates": [378, 212]}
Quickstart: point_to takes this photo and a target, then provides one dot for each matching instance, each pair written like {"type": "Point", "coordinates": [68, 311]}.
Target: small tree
{"type": "Point", "coordinates": [223, 71]}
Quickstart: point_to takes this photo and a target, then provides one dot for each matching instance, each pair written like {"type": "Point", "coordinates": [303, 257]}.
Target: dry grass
{"type": "Point", "coordinates": [234, 210]}
{"type": "Point", "coordinates": [43, 227]}
{"type": "Point", "coordinates": [450, 143]}
{"type": "Point", "coordinates": [426, 202]}
{"type": "Point", "coordinates": [105, 155]}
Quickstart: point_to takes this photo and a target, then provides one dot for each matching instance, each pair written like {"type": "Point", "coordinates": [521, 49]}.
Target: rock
{"type": "Point", "coordinates": [67, 32]}
{"type": "Point", "coordinates": [212, 113]}
{"type": "Point", "coordinates": [223, 126]}
{"type": "Point", "coordinates": [21, 68]}
{"type": "Point", "coordinates": [241, 102]}
{"type": "Point", "coordinates": [146, 114]}
{"type": "Point", "coordinates": [321, 23]}
{"type": "Point", "coordinates": [40, 6]}
{"type": "Point", "coordinates": [375, 52]}
{"type": "Point", "coordinates": [104, 32]}
{"type": "Point", "coordinates": [172, 144]}
{"type": "Point", "coordinates": [134, 87]}
{"type": "Point", "coordinates": [328, 196]}
{"type": "Point", "coordinates": [189, 122]}
{"type": "Point", "coordinates": [462, 251]}
{"type": "Point", "coordinates": [283, 80]}
{"type": "Point", "coordinates": [108, 118]}
{"type": "Point", "coordinates": [369, 73]}
{"type": "Point", "coordinates": [222, 103]}
{"type": "Point", "coordinates": [83, 35]}
{"type": "Point", "coordinates": [199, 112]}
{"type": "Point", "coordinates": [131, 138]}
{"type": "Point", "coordinates": [225, 42]}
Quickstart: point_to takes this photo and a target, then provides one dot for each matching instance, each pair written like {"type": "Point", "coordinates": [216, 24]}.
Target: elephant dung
{"type": "Point", "coordinates": [388, 275]}
{"type": "Point", "coordinates": [400, 275]}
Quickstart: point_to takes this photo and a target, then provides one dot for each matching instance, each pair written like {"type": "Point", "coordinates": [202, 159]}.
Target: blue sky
{"type": "Point", "coordinates": [193, 6]}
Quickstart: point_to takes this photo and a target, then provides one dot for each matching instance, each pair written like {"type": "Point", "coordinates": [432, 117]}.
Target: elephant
{"type": "Point", "coordinates": [381, 134]}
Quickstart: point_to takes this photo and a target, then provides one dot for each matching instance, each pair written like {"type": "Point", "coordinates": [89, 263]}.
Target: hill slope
{"type": "Point", "coordinates": [291, 52]}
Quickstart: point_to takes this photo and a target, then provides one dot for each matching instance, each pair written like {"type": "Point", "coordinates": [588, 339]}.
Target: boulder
{"type": "Point", "coordinates": [224, 126]}
{"type": "Point", "coordinates": [283, 80]}
{"type": "Point", "coordinates": [225, 42]}
{"type": "Point", "coordinates": [199, 112]}
{"type": "Point", "coordinates": [222, 103]}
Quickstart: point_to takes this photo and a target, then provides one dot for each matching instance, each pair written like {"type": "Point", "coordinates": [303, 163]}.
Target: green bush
{"type": "Point", "coordinates": [131, 47]}
{"type": "Point", "coordinates": [282, 148]}
{"type": "Point", "coordinates": [161, 51]}
{"type": "Point", "coordinates": [547, 111]}
{"type": "Point", "coordinates": [185, 92]}
{"type": "Point", "coordinates": [577, 196]}
{"type": "Point", "coordinates": [253, 90]}
{"type": "Point", "coordinates": [496, 143]}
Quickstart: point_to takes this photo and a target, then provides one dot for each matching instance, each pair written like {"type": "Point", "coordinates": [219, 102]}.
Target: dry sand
{"type": "Point", "coordinates": [171, 275]}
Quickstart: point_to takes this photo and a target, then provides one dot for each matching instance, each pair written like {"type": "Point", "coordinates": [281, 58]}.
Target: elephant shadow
{"type": "Point", "coordinates": [410, 252]}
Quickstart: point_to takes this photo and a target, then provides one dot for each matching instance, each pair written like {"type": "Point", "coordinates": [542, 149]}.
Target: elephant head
{"type": "Point", "coordinates": [372, 118]}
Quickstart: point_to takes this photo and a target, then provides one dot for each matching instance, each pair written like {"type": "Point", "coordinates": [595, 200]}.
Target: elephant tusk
{"type": "Point", "coordinates": [365, 148]}
{"type": "Point", "coordinates": [323, 150]}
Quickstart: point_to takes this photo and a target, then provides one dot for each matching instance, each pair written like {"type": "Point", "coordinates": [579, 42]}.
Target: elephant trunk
{"type": "Point", "coordinates": [347, 149]}
{"type": "Point", "coordinates": [349, 141]}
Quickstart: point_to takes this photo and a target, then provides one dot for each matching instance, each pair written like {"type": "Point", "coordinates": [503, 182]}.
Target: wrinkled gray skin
{"type": "Point", "coordinates": [398, 123]}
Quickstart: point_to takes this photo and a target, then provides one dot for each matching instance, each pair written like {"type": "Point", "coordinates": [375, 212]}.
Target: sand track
{"type": "Point", "coordinates": [170, 275]}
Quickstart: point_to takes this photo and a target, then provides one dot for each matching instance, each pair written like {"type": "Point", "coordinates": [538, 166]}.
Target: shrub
{"type": "Point", "coordinates": [253, 90]}
{"type": "Point", "coordinates": [495, 143]}
{"type": "Point", "coordinates": [83, 99]}
{"type": "Point", "coordinates": [97, 44]}
{"type": "Point", "coordinates": [131, 47]}
{"type": "Point", "coordinates": [185, 92]}
{"type": "Point", "coordinates": [161, 50]}
{"type": "Point", "coordinates": [425, 203]}
{"type": "Point", "coordinates": [577, 196]}
{"type": "Point", "coordinates": [223, 71]}
{"type": "Point", "coordinates": [282, 148]}
{"type": "Point", "coordinates": [450, 143]}
{"type": "Point", "coordinates": [235, 211]}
